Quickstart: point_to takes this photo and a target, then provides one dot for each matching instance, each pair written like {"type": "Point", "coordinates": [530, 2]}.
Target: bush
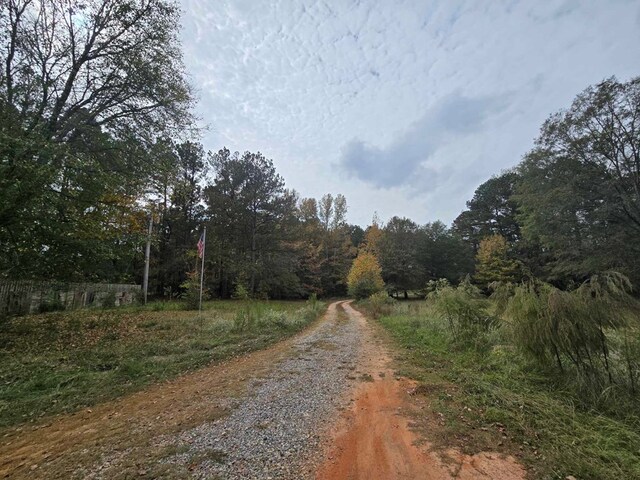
{"type": "Point", "coordinates": [466, 314]}
{"type": "Point", "coordinates": [501, 293]}
{"type": "Point", "coordinates": [469, 288]}
{"type": "Point", "coordinates": [240, 292]}
{"type": "Point", "coordinates": [587, 331]}
{"type": "Point", "coordinates": [381, 304]}
{"type": "Point", "coordinates": [434, 285]}
{"type": "Point", "coordinates": [191, 293]}
{"type": "Point", "coordinates": [243, 320]}
{"type": "Point", "coordinates": [278, 319]}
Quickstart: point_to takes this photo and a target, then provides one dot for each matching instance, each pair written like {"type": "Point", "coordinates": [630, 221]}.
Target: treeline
{"type": "Point", "coordinates": [96, 136]}
{"type": "Point", "coordinates": [262, 239]}
{"type": "Point", "coordinates": [571, 208]}
{"type": "Point", "coordinates": [568, 211]}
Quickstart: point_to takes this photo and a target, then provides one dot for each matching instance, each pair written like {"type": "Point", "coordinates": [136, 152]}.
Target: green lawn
{"type": "Point", "coordinates": [493, 399]}
{"type": "Point", "coordinates": [63, 361]}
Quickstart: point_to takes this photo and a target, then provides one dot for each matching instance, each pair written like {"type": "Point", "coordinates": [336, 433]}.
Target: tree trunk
{"type": "Point", "coordinates": [253, 256]}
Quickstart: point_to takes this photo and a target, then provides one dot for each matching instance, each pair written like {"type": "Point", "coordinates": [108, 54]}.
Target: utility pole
{"type": "Point", "coordinates": [204, 241]}
{"type": "Point", "coordinates": [147, 255]}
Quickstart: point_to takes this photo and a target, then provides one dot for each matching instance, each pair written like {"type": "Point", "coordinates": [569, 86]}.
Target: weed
{"type": "Point", "coordinates": [381, 304]}
{"type": "Point", "coordinates": [62, 361]}
{"type": "Point", "coordinates": [466, 313]}
{"type": "Point", "coordinates": [108, 300]}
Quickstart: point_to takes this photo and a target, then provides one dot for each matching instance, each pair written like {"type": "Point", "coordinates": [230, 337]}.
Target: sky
{"type": "Point", "coordinates": [405, 107]}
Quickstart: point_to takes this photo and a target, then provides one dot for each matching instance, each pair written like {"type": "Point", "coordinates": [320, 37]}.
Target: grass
{"type": "Point", "coordinates": [63, 361]}
{"type": "Point", "coordinates": [494, 399]}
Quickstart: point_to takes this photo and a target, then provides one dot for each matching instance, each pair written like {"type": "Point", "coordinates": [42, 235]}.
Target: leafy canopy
{"type": "Point", "coordinates": [365, 276]}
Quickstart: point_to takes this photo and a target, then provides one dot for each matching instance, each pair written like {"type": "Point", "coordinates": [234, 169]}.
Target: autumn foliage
{"type": "Point", "coordinates": [493, 263]}
{"type": "Point", "coordinates": [365, 276]}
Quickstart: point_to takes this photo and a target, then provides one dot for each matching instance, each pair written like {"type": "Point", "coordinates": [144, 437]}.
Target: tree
{"type": "Point", "coordinates": [252, 220]}
{"type": "Point", "coordinates": [492, 210]}
{"type": "Point", "coordinates": [308, 211]}
{"type": "Point", "coordinates": [325, 211]}
{"type": "Point", "coordinates": [326, 246]}
{"type": "Point", "coordinates": [443, 254]}
{"type": "Point", "coordinates": [493, 263]}
{"type": "Point", "coordinates": [580, 190]}
{"type": "Point", "coordinates": [373, 237]}
{"type": "Point", "coordinates": [398, 247]}
{"type": "Point", "coordinates": [85, 88]}
{"type": "Point", "coordinates": [181, 215]}
{"type": "Point", "coordinates": [365, 276]}
{"type": "Point", "coordinates": [113, 65]}
{"type": "Point", "coordinates": [356, 232]}
{"type": "Point", "coordinates": [339, 212]}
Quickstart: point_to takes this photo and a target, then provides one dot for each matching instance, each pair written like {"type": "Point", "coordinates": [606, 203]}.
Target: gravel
{"type": "Point", "coordinates": [277, 430]}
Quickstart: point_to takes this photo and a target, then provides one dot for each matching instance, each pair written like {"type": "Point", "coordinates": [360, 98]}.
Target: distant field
{"type": "Point", "coordinates": [63, 361]}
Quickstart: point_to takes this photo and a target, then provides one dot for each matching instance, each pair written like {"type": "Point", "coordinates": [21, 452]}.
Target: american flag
{"type": "Point", "coordinates": [201, 245]}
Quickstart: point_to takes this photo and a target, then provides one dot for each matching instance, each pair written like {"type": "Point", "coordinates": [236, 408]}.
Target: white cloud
{"type": "Point", "coordinates": [305, 81]}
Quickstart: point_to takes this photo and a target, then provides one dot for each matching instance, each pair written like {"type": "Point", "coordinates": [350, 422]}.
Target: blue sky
{"type": "Point", "coordinates": [405, 107]}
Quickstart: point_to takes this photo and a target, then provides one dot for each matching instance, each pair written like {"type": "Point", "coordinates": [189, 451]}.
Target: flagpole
{"type": "Point", "coordinates": [147, 255]}
{"type": "Point", "coordinates": [204, 242]}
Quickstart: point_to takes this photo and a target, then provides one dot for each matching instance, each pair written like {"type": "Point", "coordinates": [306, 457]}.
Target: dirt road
{"type": "Point", "coordinates": [324, 404]}
{"type": "Point", "coordinates": [373, 439]}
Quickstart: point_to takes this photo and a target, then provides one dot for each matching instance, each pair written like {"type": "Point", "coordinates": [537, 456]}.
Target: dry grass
{"type": "Point", "coordinates": [64, 361]}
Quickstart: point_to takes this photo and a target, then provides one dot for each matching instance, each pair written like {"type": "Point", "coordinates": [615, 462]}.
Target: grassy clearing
{"type": "Point", "coordinates": [494, 399]}
{"type": "Point", "coordinates": [60, 362]}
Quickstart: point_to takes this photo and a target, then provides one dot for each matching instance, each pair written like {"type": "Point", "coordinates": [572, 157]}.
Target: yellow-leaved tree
{"type": "Point", "coordinates": [365, 276]}
{"type": "Point", "coordinates": [493, 263]}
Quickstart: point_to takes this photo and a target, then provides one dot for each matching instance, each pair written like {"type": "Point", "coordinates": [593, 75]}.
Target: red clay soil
{"type": "Point", "coordinates": [60, 446]}
{"type": "Point", "coordinates": [373, 440]}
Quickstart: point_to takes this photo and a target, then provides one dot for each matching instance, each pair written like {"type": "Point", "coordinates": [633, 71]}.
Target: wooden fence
{"type": "Point", "coordinates": [23, 297]}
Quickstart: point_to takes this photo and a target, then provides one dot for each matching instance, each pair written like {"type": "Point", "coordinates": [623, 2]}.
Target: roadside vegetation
{"type": "Point", "coordinates": [548, 375]}
{"type": "Point", "coordinates": [62, 361]}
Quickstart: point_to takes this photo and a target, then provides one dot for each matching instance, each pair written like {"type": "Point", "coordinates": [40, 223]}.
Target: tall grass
{"type": "Point", "coordinates": [466, 312]}
{"type": "Point", "coordinates": [588, 334]}
{"type": "Point", "coordinates": [560, 422]}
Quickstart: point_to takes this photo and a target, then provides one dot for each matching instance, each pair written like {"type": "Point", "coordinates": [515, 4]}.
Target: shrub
{"type": "Point", "coordinates": [244, 320]}
{"type": "Point", "coordinates": [434, 285]}
{"type": "Point", "coordinates": [501, 293]}
{"type": "Point", "coordinates": [275, 318]}
{"type": "Point", "coordinates": [240, 292]}
{"type": "Point", "coordinates": [583, 330]}
{"type": "Point", "coordinates": [381, 304]}
{"type": "Point", "coordinates": [469, 288]}
{"type": "Point", "coordinates": [466, 314]}
{"type": "Point", "coordinates": [191, 291]}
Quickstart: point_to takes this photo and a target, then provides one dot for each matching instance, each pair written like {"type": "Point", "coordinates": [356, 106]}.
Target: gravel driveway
{"type": "Point", "coordinates": [276, 430]}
